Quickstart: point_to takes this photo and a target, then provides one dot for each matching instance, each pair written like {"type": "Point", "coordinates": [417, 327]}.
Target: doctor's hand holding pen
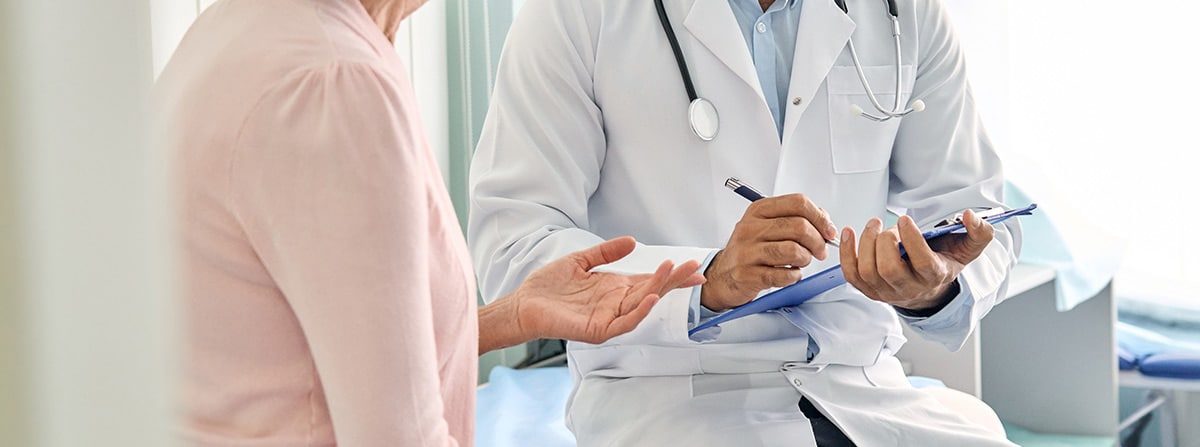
{"type": "Point", "coordinates": [567, 300]}
{"type": "Point", "coordinates": [775, 238]}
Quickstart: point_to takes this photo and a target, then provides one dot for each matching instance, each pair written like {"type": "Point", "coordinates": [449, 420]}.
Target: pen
{"type": "Point", "coordinates": [751, 194]}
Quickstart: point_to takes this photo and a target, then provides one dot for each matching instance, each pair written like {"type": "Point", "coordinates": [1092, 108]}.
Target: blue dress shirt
{"type": "Point", "coordinates": [771, 36]}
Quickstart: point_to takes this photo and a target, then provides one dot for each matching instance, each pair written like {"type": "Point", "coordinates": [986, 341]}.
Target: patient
{"type": "Point", "coordinates": [328, 295]}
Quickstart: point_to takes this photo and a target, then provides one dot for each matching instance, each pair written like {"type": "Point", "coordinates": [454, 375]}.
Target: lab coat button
{"type": "Point", "coordinates": [796, 382]}
{"type": "Point", "coordinates": [761, 27]}
{"type": "Point", "coordinates": [796, 101]}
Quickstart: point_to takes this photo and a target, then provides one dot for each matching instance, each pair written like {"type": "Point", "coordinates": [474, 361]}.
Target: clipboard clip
{"type": "Point", "coordinates": [982, 213]}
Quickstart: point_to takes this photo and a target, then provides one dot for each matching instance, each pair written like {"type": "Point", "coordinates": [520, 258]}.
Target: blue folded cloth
{"type": "Point", "coordinates": [1156, 355]}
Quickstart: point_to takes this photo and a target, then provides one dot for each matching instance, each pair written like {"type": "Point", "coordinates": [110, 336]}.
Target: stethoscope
{"type": "Point", "coordinates": [702, 114]}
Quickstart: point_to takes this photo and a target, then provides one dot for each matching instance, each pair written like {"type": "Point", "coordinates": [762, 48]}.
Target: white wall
{"type": "Point", "coordinates": [1103, 105]}
{"type": "Point", "coordinates": [97, 333]}
{"type": "Point", "coordinates": [983, 29]}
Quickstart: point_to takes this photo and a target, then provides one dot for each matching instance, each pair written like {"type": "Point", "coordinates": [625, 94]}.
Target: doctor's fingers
{"type": "Point", "coordinates": [794, 205]}
{"type": "Point", "coordinates": [849, 259]}
{"type": "Point", "coordinates": [778, 253]}
{"type": "Point", "coordinates": [979, 234]}
{"type": "Point", "coordinates": [797, 229]}
{"type": "Point", "coordinates": [891, 266]}
{"type": "Point", "coordinates": [924, 261]}
{"type": "Point", "coordinates": [868, 269]}
{"type": "Point", "coordinates": [763, 277]}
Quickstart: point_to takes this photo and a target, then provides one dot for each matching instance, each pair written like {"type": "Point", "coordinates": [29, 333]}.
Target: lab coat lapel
{"type": "Point", "coordinates": [713, 24]}
{"type": "Point", "coordinates": [823, 32]}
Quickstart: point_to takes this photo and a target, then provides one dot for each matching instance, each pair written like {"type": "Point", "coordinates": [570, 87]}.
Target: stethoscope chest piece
{"type": "Point", "coordinates": [702, 115]}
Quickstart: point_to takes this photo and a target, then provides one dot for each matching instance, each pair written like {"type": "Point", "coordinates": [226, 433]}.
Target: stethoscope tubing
{"type": "Point", "coordinates": [695, 102]}
{"type": "Point", "coordinates": [680, 61]}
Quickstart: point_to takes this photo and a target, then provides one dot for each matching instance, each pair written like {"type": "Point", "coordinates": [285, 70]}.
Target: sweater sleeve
{"type": "Point", "coordinates": [329, 182]}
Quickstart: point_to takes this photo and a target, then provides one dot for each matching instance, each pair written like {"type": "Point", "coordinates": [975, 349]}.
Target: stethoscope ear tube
{"type": "Point", "coordinates": [897, 110]}
{"type": "Point", "coordinates": [891, 6]}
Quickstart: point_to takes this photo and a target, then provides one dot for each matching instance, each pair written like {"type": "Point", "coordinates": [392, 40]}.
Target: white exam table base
{"type": "Point", "coordinates": [1044, 370]}
{"type": "Point", "coordinates": [1170, 376]}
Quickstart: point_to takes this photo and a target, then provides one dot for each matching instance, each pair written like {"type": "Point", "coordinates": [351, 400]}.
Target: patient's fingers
{"type": "Point", "coordinates": [683, 276]}
{"type": "Point", "coordinates": [651, 285]}
{"type": "Point", "coordinates": [628, 321]}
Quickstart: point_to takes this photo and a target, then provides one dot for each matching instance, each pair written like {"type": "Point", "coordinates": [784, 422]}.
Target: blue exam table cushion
{"type": "Point", "coordinates": [1027, 438]}
{"type": "Point", "coordinates": [1126, 359]}
{"type": "Point", "coordinates": [524, 407]}
{"type": "Point", "coordinates": [1172, 365]}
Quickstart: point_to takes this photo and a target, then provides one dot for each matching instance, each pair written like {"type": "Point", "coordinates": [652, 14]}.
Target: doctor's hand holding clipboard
{"type": "Point", "coordinates": [779, 235]}
{"type": "Point", "coordinates": [925, 281]}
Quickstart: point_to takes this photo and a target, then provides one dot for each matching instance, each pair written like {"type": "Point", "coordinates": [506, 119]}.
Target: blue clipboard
{"type": "Point", "coordinates": [821, 282]}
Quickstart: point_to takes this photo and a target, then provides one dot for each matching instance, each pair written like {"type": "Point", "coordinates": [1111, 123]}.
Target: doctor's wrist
{"type": "Point", "coordinates": [931, 306]}
{"type": "Point", "coordinates": [719, 292]}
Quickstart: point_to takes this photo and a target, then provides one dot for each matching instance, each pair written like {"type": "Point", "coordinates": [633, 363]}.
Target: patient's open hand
{"type": "Point", "coordinates": [566, 300]}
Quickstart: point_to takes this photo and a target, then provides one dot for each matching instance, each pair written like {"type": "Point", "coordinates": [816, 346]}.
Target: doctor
{"type": "Point", "coordinates": [613, 118]}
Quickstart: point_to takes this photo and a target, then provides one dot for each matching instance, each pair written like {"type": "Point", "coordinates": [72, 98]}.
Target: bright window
{"type": "Point", "coordinates": [1092, 108]}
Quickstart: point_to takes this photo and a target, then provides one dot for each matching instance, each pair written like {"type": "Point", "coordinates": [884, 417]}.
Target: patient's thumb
{"type": "Point", "coordinates": [606, 252]}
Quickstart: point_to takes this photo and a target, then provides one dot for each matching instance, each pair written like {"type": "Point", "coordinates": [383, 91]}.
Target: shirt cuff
{"type": "Point", "coordinates": [956, 290]}
{"type": "Point", "coordinates": [951, 314]}
{"type": "Point", "coordinates": [696, 312]}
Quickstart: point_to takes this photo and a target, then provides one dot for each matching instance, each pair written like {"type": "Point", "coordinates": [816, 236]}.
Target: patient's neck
{"type": "Point", "coordinates": [387, 14]}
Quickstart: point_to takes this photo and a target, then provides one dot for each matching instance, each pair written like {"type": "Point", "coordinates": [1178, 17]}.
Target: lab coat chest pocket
{"type": "Point", "coordinates": [859, 144]}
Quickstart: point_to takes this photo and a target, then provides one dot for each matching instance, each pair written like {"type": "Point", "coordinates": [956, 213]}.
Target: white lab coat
{"type": "Point", "coordinates": [587, 138]}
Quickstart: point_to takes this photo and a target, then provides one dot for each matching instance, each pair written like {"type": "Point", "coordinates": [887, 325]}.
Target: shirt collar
{"type": "Point", "coordinates": [790, 4]}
